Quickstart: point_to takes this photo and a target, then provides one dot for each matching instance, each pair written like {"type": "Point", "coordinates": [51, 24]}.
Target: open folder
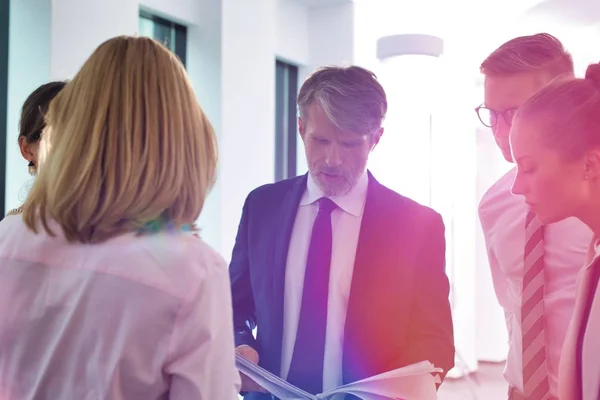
{"type": "Point", "coordinates": [413, 382]}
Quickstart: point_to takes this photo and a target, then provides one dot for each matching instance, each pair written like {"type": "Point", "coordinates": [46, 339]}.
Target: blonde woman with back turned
{"type": "Point", "coordinates": [103, 293]}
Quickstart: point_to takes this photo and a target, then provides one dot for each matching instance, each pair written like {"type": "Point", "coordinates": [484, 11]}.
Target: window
{"type": "Point", "coordinates": [286, 88]}
{"type": "Point", "coordinates": [171, 34]}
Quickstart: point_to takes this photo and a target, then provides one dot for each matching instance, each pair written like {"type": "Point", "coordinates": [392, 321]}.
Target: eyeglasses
{"type": "Point", "coordinates": [490, 117]}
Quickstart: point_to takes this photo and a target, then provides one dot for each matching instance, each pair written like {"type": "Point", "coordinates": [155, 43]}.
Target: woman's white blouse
{"type": "Point", "coordinates": [133, 318]}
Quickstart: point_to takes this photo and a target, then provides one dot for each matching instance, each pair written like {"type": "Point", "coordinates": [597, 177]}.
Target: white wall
{"type": "Point", "coordinates": [204, 69]}
{"type": "Point", "coordinates": [247, 107]}
{"type": "Point", "coordinates": [291, 23]}
{"type": "Point", "coordinates": [331, 35]}
{"type": "Point", "coordinates": [28, 68]}
{"type": "Point", "coordinates": [330, 42]}
{"type": "Point", "coordinates": [187, 12]}
{"type": "Point", "coordinates": [79, 26]}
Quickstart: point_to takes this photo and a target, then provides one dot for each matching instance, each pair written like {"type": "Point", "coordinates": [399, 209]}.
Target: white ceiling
{"type": "Point", "coordinates": [321, 3]}
{"type": "Point", "coordinates": [571, 12]}
{"type": "Point", "coordinates": [568, 12]}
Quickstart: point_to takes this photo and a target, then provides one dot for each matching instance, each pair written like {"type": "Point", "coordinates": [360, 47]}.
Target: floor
{"type": "Point", "coordinates": [486, 384]}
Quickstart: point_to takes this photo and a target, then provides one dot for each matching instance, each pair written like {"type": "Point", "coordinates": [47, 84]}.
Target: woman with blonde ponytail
{"type": "Point", "coordinates": [555, 141]}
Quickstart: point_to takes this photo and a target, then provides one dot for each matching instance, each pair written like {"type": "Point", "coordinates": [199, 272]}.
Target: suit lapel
{"type": "Point", "coordinates": [287, 218]}
{"type": "Point", "coordinates": [369, 243]}
{"type": "Point", "coordinates": [588, 287]}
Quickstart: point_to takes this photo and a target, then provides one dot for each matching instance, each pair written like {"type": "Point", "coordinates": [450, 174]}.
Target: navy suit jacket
{"type": "Point", "coordinates": [398, 309]}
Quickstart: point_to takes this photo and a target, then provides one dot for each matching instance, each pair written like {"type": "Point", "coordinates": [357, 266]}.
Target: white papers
{"type": "Point", "coordinates": [413, 382]}
{"type": "Point", "coordinates": [270, 382]}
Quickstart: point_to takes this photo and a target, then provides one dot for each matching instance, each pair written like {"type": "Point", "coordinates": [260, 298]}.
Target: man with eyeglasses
{"type": "Point", "coordinates": [534, 267]}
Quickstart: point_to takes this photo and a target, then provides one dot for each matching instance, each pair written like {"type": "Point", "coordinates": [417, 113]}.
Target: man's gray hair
{"type": "Point", "coordinates": [351, 97]}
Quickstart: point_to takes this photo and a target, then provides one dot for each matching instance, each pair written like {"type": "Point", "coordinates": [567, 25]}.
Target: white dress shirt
{"type": "Point", "coordinates": [346, 221]}
{"type": "Point", "coordinates": [502, 216]}
{"type": "Point", "coordinates": [132, 318]}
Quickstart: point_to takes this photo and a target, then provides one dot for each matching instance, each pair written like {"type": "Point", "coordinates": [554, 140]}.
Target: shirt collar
{"type": "Point", "coordinates": [352, 202]}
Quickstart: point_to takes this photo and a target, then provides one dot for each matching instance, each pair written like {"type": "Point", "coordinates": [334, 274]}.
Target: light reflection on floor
{"type": "Point", "coordinates": [487, 384]}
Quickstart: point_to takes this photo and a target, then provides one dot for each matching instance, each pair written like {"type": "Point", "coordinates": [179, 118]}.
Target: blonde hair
{"type": "Point", "coordinates": [568, 113]}
{"type": "Point", "coordinates": [541, 52]}
{"type": "Point", "coordinates": [129, 144]}
{"type": "Point", "coordinates": [351, 97]}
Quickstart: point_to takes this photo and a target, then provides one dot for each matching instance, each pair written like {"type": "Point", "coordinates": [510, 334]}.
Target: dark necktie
{"type": "Point", "coordinates": [306, 369]}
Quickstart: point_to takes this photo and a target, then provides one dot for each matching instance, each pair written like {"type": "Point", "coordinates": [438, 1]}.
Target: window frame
{"type": "Point", "coordinates": [178, 43]}
{"type": "Point", "coordinates": [286, 126]}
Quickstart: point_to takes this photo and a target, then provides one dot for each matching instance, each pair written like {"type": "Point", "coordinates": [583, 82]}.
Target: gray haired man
{"type": "Point", "coordinates": [343, 277]}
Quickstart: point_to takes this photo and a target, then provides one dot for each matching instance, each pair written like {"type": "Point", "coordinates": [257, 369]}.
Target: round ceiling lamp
{"type": "Point", "coordinates": [409, 44]}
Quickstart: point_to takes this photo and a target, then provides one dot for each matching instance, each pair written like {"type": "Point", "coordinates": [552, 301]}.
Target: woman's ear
{"type": "Point", "coordinates": [28, 150]}
{"type": "Point", "coordinates": [592, 165]}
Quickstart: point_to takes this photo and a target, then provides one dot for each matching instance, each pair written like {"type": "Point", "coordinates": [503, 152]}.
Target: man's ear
{"type": "Point", "coordinates": [301, 127]}
{"type": "Point", "coordinates": [376, 138]}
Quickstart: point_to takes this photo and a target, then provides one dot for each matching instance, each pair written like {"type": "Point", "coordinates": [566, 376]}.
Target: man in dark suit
{"type": "Point", "coordinates": [342, 277]}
